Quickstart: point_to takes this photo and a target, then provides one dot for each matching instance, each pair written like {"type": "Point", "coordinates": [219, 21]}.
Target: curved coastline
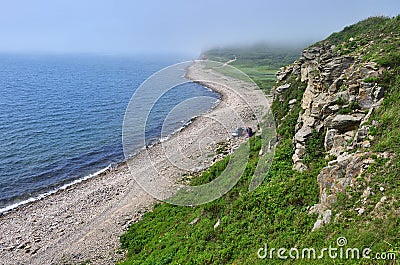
{"type": "Point", "coordinates": [40, 196]}
{"type": "Point", "coordinates": [84, 221]}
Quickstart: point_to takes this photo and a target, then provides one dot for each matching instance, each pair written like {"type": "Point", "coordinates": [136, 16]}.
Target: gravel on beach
{"type": "Point", "coordinates": [84, 222]}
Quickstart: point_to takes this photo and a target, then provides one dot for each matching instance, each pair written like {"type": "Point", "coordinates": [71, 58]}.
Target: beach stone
{"type": "Point", "coordinates": [23, 245]}
{"type": "Point", "coordinates": [10, 248]}
{"type": "Point", "coordinates": [34, 251]}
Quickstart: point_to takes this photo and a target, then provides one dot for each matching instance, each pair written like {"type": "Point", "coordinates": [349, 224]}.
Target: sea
{"type": "Point", "coordinates": [61, 117]}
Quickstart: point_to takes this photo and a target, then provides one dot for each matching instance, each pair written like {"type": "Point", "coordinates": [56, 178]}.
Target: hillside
{"type": "Point", "coordinates": [335, 179]}
{"type": "Point", "coordinates": [260, 62]}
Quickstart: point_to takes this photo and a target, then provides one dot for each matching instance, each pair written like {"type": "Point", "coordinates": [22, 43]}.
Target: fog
{"type": "Point", "coordinates": [173, 26]}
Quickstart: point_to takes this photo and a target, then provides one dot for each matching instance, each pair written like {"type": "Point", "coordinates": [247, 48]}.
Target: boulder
{"type": "Point", "coordinates": [311, 53]}
{"type": "Point", "coordinates": [335, 68]}
{"type": "Point", "coordinates": [302, 134]}
{"type": "Point", "coordinates": [365, 95]}
{"type": "Point", "coordinates": [344, 123]}
{"type": "Point", "coordinates": [328, 143]}
{"type": "Point", "coordinates": [336, 85]}
{"type": "Point", "coordinates": [371, 66]}
{"type": "Point", "coordinates": [300, 152]}
{"type": "Point", "coordinates": [282, 88]}
{"type": "Point", "coordinates": [324, 218]}
{"type": "Point", "coordinates": [296, 69]}
{"type": "Point", "coordinates": [283, 72]}
{"type": "Point", "coordinates": [361, 134]}
{"type": "Point", "coordinates": [308, 97]}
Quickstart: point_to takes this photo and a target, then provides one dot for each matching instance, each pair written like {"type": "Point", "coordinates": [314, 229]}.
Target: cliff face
{"type": "Point", "coordinates": [337, 160]}
{"type": "Point", "coordinates": [340, 96]}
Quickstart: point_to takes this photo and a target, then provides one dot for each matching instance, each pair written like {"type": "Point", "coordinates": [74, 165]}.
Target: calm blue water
{"type": "Point", "coordinates": [61, 117]}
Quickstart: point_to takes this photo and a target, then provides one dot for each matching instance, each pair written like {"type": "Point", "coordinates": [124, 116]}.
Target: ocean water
{"type": "Point", "coordinates": [61, 117]}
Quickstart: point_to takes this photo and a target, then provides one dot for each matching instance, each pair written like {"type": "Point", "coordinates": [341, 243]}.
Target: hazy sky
{"type": "Point", "coordinates": [188, 26]}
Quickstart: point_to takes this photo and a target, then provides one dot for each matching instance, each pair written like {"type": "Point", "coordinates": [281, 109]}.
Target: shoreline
{"type": "Point", "coordinates": [40, 196]}
{"type": "Point", "coordinates": [112, 166]}
{"type": "Point", "coordinates": [84, 221]}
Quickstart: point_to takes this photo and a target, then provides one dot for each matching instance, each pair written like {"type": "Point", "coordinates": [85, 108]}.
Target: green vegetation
{"type": "Point", "coordinates": [376, 39]}
{"type": "Point", "coordinates": [371, 80]}
{"type": "Point", "coordinates": [377, 227]}
{"type": "Point", "coordinates": [276, 212]}
{"type": "Point", "coordinates": [314, 157]}
{"type": "Point", "coordinates": [259, 62]}
{"type": "Point", "coordinates": [285, 115]}
{"type": "Point", "coordinates": [348, 109]}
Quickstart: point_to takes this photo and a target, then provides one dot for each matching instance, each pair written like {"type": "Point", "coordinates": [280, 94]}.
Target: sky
{"type": "Point", "coordinates": [173, 26]}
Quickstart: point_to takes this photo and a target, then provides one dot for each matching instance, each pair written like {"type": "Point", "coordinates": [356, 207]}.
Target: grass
{"type": "Point", "coordinates": [260, 62]}
{"type": "Point", "coordinates": [248, 219]}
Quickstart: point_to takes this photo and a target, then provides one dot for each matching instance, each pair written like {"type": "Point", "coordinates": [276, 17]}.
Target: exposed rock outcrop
{"type": "Point", "coordinates": [337, 102]}
{"type": "Point", "coordinates": [334, 178]}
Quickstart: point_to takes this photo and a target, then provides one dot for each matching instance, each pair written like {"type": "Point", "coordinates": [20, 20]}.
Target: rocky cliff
{"type": "Point", "coordinates": [336, 165]}
{"type": "Point", "coordinates": [341, 93]}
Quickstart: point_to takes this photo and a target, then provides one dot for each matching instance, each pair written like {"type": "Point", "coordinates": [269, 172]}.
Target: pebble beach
{"type": "Point", "coordinates": [83, 222]}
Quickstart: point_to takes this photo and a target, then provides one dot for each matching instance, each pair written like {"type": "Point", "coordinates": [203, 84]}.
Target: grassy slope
{"type": "Point", "coordinates": [259, 62]}
{"type": "Point", "coordinates": [276, 212]}
{"type": "Point", "coordinates": [377, 228]}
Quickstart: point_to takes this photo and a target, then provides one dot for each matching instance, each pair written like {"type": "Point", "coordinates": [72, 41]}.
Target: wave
{"type": "Point", "coordinates": [63, 187]}
{"type": "Point", "coordinates": [109, 167]}
{"type": "Point", "coordinates": [63, 168]}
